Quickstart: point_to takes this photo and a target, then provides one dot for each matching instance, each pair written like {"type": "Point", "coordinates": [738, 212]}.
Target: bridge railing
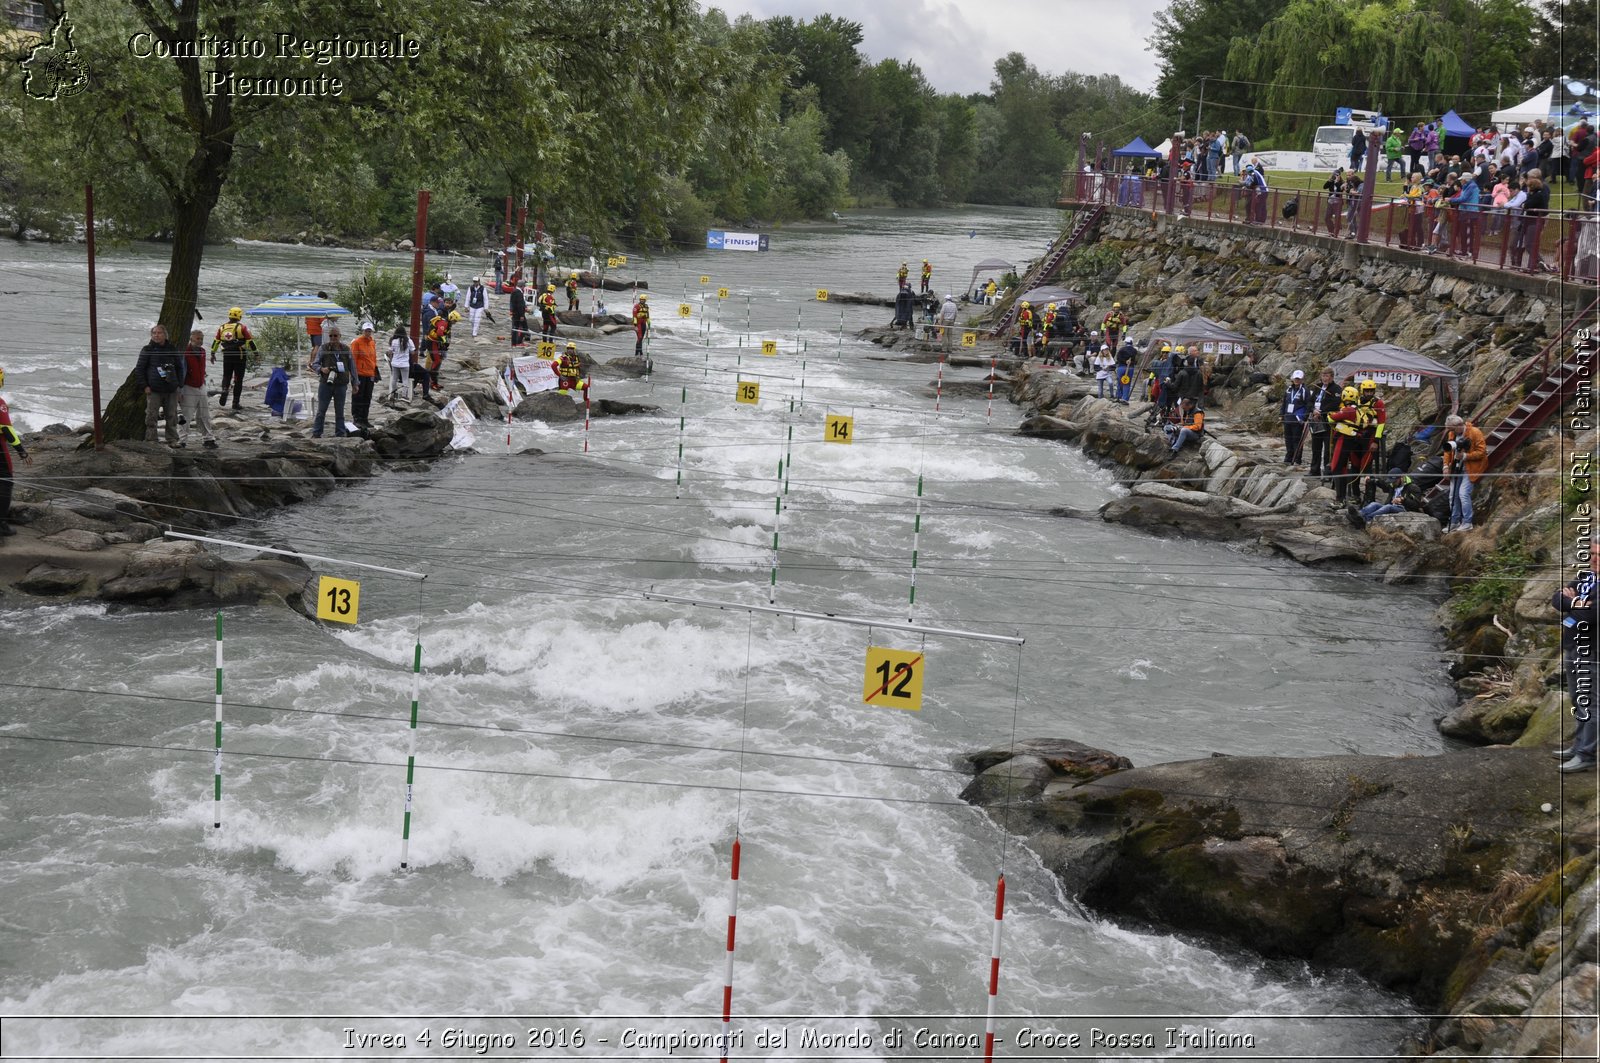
{"type": "Point", "coordinates": [1564, 243]}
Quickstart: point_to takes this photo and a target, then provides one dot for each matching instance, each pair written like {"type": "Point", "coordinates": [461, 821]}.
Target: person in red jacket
{"type": "Point", "coordinates": [192, 395]}
{"type": "Point", "coordinates": [641, 324]}
{"type": "Point", "coordinates": [9, 441]}
{"type": "Point", "coordinates": [547, 311]}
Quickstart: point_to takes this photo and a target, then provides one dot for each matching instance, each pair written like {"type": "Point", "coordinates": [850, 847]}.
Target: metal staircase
{"type": "Point", "coordinates": [1555, 387]}
{"type": "Point", "coordinates": [1087, 220]}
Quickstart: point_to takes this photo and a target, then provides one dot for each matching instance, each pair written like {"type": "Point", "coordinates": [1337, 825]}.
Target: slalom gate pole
{"type": "Point", "coordinates": [788, 461]}
{"type": "Point", "coordinates": [727, 977]}
{"type": "Point", "coordinates": [993, 362]}
{"type": "Point", "coordinates": [839, 357]}
{"type": "Point", "coordinates": [799, 312]}
{"type": "Point", "coordinates": [586, 382]}
{"type": "Point", "coordinates": [747, 317]}
{"type": "Point", "coordinates": [994, 968]}
{"type": "Point", "coordinates": [916, 535]}
{"type": "Point", "coordinates": [938, 384]}
{"type": "Point", "coordinates": [411, 753]}
{"type": "Point", "coordinates": [777, 521]}
{"type": "Point", "coordinates": [216, 765]}
{"type": "Point", "coordinates": [683, 406]}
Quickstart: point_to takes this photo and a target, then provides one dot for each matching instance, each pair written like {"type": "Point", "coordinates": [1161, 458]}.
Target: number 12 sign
{"type": "Point", "coordinates": [893, 678]}
{"type": "Point", "coordinates": [338, 600]}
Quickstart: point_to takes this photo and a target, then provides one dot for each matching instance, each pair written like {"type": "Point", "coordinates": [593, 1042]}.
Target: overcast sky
{"type": "Point", "coordinates": [956, 44]}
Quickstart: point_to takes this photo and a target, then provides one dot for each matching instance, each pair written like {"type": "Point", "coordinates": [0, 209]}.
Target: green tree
{"type": "Point", "coordinates": [1564, 44]}
{"type": "Point", "coordinates": [1191, 40]}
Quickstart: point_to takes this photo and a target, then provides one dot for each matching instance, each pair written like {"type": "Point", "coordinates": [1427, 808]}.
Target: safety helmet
{"type": "Point", "coordinates": [1052, 306]}
{"type": "Point", "coordinates": [2, 376]}
{"type": "Point", "coordinates": [1116, 306]}
{"type": "Point", "coordinates": [1369, 384]}
{"type": "Point", "coordinates": [1349, 394]}
{"type": "Point", "coordinates": [644, 298]}
{"type": "Point", "coordinates": [924, 262]}
{"type": "Point", "coordinates": [549, 287]}
{"type": "Point", "coordinates": [455, 315]}
{"type": "Point", "coordinates": [235, 314]}
{"type": "Point", "coordinates": [573, 274]}
{"type": "Point", "coordinates": [1027, 304]}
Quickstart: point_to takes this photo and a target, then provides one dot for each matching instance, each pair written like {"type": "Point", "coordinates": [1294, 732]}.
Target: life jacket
{"type": "Point", "coordinates": [568, 369]}
{"type": "Point", "coordinates": [547, 302]}
{"type": "Point", "coordinates": [232, 337]}
{"type": "Point", "coordinates": [1049, 320]}
{"type": "Point", "coordinates": [641, 313]}
{"type": "Point", "coordinates": [927, 271]}
{"type": "Point", "coordinates": [902, 273]}
{"type": "Point", "coordinates": [1347, 421]}
{"type": "Point", "coordinates": [1115, 320]}
{"type": "Point", "coordinates": [572, 286]}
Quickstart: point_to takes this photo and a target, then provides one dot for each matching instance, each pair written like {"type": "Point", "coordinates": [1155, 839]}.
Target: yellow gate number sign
{"type": "Point", "coordinates": [822, 295]}
{"type": "Point", "coordinates": [338, 600]}
{"type": "Point", "coordinates": [769, 346]}
{"type": "Point", "coordinates": [839, 429]}
{"type": "Point", "coordinates": [622, 260]}
{"type": "Point", "coordinates": [749, 392]}
{"type": "Point", "coordinates": [893, 678]}
{"type": "Point", "coordinates": [547, 349]}
{"type": "Point", "coordinates": [722, 293]}
{"type": "Point", "coordinates": [684, 309]}
{"type": "Point", "coordinates": [969, 339]}
{"type": "Point", "coordinates": [613, 262]}
{"type": "Point", "coordinates": [704, 279]}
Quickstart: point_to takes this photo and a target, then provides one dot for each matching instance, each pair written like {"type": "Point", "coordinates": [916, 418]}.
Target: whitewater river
{"type": "Point", "coordinates": [585, 756]}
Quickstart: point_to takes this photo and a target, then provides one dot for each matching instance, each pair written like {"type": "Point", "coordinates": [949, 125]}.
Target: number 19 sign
{"type": "Point", "coordinates": [893, 678]}
{"type": "Point", "coordinates": [338, 600]}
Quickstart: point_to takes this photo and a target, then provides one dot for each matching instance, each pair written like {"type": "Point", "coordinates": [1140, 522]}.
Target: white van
{"type": "Point", "coordinates": [1331, 144]}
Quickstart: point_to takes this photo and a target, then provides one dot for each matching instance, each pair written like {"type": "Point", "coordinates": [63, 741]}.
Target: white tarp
{"type": "Point", "coordinates": [534, 374]}
{"type": "Point", "coordinates": [462, 417]}
{"type": "Point", "coordinates": [1530, 110]}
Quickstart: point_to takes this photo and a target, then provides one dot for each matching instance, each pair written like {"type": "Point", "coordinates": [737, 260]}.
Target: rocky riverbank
{"type": "Point", "coordinates": [1441, 877]}
{"type": "Point", "coordinates": [90, 524]}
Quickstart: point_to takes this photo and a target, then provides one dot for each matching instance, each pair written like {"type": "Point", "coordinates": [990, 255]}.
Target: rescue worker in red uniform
{"type": "Point", "coordinates": [547, 312]}
{"type": "Point", "coordinates": [572, 290]}
{"type": "Point", "coordinates": [641, 324]}
{"type": "Point", "coordinates": [1025, 326]}
{"type": "Point", "coordinates": [569, 371]}
{"type": "Point", "coordinates": [1048, 332]}
{"type": "Point", "coordinates": [1115, 325]}
{"type": "Point", "coordinates": [9, 441]}
{"type": "Point", "coordinates": [437, 343]}
{"type": "Point", "coordinates": [1377, 418]}
{"type": "Point", "coordinates": [1349, 441]}
{"type": "Point", "coordinates": [234, 339]}
{"type": "Point", "coordinates": [905, 271]}
{"type": "Point", "coordinates": [927, 276]}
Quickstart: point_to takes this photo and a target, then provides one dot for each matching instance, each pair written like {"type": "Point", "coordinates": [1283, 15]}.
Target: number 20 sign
{"type": "Point", "coordinates": [893, 678]}
{"type": "Point", "coordinates": [338, 600]}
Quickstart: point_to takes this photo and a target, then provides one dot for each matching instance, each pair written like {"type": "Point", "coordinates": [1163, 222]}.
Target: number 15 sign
{"type": "Point", "coordinates": [893, 678]}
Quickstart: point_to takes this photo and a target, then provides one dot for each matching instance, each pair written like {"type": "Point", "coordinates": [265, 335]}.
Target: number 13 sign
{"type": "Point", "coordinates": [338, 600]}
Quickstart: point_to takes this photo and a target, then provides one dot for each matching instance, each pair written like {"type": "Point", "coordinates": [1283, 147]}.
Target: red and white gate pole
{"type": "Point", "coordinates": [994, 968]}
{"type": "Point", "coordinates": [727, 980]}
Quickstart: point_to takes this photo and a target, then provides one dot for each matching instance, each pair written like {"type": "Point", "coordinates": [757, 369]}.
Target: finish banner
{"type": "Point", "coordinates": [717, 240]}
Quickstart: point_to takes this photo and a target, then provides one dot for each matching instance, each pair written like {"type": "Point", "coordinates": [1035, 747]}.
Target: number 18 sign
{"type": "Point", "coordinates": [338, 600]}
{"type": "Point", "coordinates": [893, 678]}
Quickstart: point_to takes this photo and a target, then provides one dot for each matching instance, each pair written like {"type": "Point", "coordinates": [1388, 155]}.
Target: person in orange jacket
{"type": "Point", "coordinates": [1348, 425]}
{"type": "Point", "coordinates": [1191, 423]}
{"type": "Point", "coordinates": [1114, 325]}
{"type": "Point", "coordinates": [927, 276]}
{"type": "Point", "coordinates": [1466, 457]}
{"type": "Point", "coordinates": [569, 371]}
{"type": "Point", "coordinates": [364, 353]}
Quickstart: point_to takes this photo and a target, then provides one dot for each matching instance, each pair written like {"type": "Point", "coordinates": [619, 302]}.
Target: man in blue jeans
{"type": "Point", "coordinates": [1579, 605]}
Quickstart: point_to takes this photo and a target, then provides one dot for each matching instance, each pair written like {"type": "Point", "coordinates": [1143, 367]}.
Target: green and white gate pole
{"type": "Point", "coordinates": [216, 765]}
{"type": "Point", "coordinates": [411, 754]}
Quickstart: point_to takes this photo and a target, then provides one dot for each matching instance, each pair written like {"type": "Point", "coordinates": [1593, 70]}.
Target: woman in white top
{"type": "Point", "coordinates": [402, 352]}
{"type": "Point", "coordinates": [1103, 363]}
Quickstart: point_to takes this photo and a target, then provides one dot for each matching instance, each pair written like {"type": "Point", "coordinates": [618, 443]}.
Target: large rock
{"type": "Point", "coordinates": [1161, 508]}
{"type": "Point", "coordinates": [1313, 544]}
{"type": "Point", "coordinates": [414, 434]}
{"type": "Point", "coordinates": [552, 407]}
{"type": "Point", "coordinates": [51, 581]}
{"type": "Point", "coordinates": [1374, 863]}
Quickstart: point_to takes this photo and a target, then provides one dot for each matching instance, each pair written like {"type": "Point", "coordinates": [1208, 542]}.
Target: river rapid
{"type": "Point", "coordinates": [585, 756]}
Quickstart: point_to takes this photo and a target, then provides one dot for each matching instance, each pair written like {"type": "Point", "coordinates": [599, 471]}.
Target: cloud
{"type": "Point", "coordinates": [956, 44]}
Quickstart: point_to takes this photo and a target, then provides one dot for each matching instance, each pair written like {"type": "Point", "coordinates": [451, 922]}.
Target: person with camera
{"type": "Point", "coordinates": [333, 365]}
{"type": "Point", "coordinates": [1466, 456]}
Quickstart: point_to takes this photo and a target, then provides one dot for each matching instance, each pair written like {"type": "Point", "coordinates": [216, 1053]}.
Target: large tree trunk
{"type": "Point", "coordinates": [124, 416]}
{"type": "Point", "coordinates": [193, 192]}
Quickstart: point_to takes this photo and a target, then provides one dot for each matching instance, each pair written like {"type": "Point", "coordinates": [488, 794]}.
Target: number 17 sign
{"type": "Point", "coordinates": [893, 678]}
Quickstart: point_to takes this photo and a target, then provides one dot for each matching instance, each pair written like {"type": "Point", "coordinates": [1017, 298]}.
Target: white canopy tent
{"type": "Point", "coordinates": [1530, 110]}
{"type": "Point", "coordinates": [1562, 103]}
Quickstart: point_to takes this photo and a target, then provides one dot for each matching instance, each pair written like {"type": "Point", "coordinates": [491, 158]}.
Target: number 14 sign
{"type": "Point", "coordinates": [893, 678]}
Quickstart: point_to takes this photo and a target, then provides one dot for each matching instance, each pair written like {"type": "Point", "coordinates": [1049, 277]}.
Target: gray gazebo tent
{"type": "Point", "coordinates": [1397, 367]}
{"type": "Point", "coordinates": [1212, 337]}
{"type": "Point", "coordinates": [995, 267]}
{"type": "Point", "coordinates": [1046, 294]}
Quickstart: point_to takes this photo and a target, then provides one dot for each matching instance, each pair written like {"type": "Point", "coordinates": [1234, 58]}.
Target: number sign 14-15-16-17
{"type": "Point", "coordinates": [338, 600]}
{"type": "Point", "coordinates": [839, 429]}
{"type": "Point", "coordinates": [893, 678]}
{"type": "Point", "coordinates": [748, 392]}
{"type": "Point", "coordinates": [769, 347]}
